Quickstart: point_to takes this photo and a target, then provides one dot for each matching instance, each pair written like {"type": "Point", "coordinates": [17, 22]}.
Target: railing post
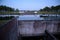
{"type": "Point", "coordinates": [49, 36]}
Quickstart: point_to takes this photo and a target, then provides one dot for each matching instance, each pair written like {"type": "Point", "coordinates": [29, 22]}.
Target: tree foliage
{"type": "Point", "coordinates": [52, 8]}
{"type": "Point", "coordinates": [5, 8]}
{"type": "Point", "coordinates": [17, 10]}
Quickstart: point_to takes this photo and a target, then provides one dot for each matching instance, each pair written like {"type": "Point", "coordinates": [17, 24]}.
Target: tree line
{"type": "Point", "coordinates": [51, 9]}
{"type": "Point", "coordinates": [46, 9]}
{"type": "Point", "coordinates": [6, 8]}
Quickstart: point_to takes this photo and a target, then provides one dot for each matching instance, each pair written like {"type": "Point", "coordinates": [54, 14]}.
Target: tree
{"type": "Point", "coordinates": [55, 8]}
{"type": "Point", "coordinates": [51, 9]}
{"type": "Point", "coordinates": [17, 10]}
{"type": "Point", "coordinates": [46, 9]}
{"type": "Point", "coordinates": [41, 10]}
{"type": "Point", "coordinates": [5, 8]}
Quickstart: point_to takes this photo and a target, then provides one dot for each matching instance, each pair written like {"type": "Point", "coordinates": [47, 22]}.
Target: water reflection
{"type": "Point", "coordinates": [29, 17]}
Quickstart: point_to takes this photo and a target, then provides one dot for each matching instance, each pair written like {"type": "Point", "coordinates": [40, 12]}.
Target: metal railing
{"type": "Point", "coordinates": [49, 36]}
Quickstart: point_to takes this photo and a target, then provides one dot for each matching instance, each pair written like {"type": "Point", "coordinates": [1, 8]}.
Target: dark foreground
{"type": "Point", "coordinates": [46, 36]}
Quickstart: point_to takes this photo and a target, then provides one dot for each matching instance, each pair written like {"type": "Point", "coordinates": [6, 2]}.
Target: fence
{"type": "Point", "coordinates": [49, 36]}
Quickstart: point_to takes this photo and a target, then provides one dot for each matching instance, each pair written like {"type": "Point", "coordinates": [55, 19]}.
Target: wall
{"type": "Point", "coordinates": [9, 30]}
{"type": "Point", "coordinates": [37, 27]}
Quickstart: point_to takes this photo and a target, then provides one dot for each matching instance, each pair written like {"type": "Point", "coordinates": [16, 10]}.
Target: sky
{"type": "Point", "coordinates": [29, 4]}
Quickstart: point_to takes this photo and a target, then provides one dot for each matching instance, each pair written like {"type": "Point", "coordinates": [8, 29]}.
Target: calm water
{"type": "Point", "coordinates": [31, 17]}
{"type": "Point", "coordinates": [26, 17]}
{"type": "Point", "coordinates": [37, 17]}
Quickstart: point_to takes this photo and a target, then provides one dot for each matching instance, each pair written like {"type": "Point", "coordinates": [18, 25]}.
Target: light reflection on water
{"type": "Point", "coordinates": [29, 17]}
{"type": "Point", "coordinates": [26, 17]}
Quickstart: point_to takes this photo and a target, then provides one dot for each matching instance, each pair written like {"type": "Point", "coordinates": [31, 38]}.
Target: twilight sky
{"type": "Point", "coordinates": [29, 4]}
